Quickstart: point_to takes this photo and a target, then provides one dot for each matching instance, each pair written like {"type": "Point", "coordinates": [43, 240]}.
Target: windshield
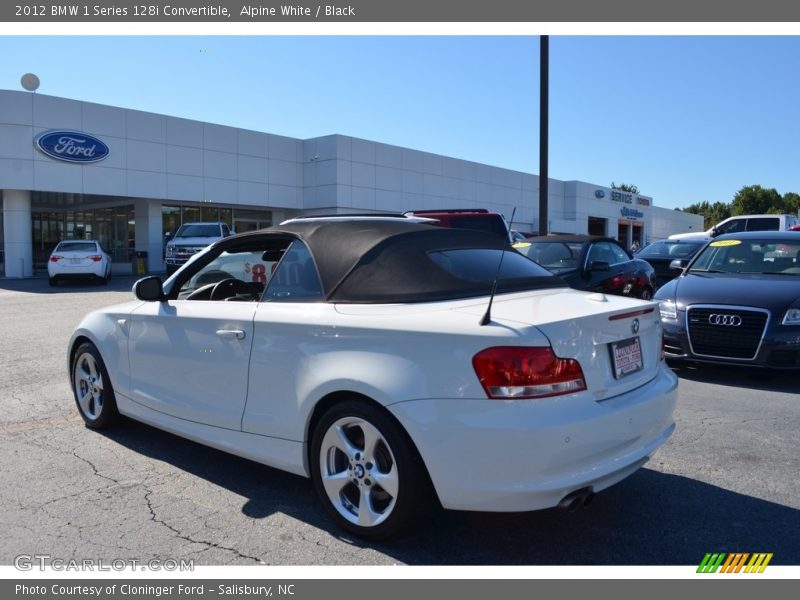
{"type": "Point", "coordinates": [750, 256]}
{"type": "Point", "coordinates": [554, 256]}
{"type": "Point", "coordinates": [669, 249]}
{"type": "Point", "coordinates": [190, 230]}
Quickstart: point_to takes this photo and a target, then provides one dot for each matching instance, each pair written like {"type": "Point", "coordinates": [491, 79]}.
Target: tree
{"type": "Point", "coordinates": [754, 200]}
{"type": "Point", "coordinates": [712, 213]}
{"type": "Point", "coordinates": [625, 187]}
{"type": "Point", "coordinates": [791, 203]}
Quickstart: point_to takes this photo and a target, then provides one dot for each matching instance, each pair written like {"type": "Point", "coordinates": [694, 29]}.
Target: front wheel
{"type": "Point", "coordinates": [367, 472]}
{"type": "Point", "coordinates": [91, 386]}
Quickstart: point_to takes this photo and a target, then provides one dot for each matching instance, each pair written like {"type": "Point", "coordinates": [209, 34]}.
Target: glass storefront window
{"type": "Point", "coordinates": [191, 214]}
{"type": "Point", "coordinates": [251, 220]}
{"type": "Point", "coordinates": [226, 216]}
{"type": "Point", "coordinates": [209, 214]}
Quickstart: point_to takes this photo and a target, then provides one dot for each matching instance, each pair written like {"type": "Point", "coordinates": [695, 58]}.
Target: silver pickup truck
{"type": "Point", "coordinates": [190, 239]}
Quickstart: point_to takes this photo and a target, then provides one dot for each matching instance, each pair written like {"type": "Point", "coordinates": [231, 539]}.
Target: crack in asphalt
{"type": "Point", "coordinates": [190, 539]}
{"type": "Point", "coordinates": [94, 468]}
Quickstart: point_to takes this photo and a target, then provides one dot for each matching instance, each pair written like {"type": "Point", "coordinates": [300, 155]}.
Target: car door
{"type": "Point", "coordinates": [616, 278]}
{"type": "Point", "coordinates": [189, 358]}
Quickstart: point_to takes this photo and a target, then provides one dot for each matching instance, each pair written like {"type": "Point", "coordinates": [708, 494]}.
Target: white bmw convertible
{"type": "Point", "coordinates": [393, 362]}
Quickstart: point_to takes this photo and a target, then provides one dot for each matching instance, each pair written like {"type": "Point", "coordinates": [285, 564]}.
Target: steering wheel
{"type": "Point", "coordinates": [230, 287]}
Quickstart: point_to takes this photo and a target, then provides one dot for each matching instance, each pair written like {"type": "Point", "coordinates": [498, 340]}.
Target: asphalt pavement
{"type": "Point", "coordinates": [727, 481]}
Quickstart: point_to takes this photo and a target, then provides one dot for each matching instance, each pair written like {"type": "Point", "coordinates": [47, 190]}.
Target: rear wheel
{"type": "Point", "coordinates": [52, 281]}
{"type": "Point", "coordinates": [646, 294]}
{"type": "Point", "coordinates": [92, 388]}
{"type": "Point", "coordinates": [367, 472]}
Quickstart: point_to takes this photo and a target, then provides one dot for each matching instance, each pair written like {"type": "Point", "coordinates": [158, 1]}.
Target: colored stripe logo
{"type": "Point", "coordinates": [735, 562]}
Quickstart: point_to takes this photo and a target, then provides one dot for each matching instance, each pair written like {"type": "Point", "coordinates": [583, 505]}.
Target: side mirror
{"type": "Point", "coordinates": [714, 232]}
{"type": "Point", "coordinates": [598, 265]}
{"type": "Point", "coordinates": [149, 289]}
{"type": "Point", "coordinates": [677, 266]}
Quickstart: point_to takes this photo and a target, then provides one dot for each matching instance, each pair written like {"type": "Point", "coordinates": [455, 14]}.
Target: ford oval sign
{"type": "Point", "coordinates": [72, 146]}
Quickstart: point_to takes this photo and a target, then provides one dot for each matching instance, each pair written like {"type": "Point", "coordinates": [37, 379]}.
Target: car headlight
{"type": "Point", "coordinates": [792, 317]}
{"type": "Point", "coordinates": [668, 309]}
{"type": "Point", "coordinates": [170, 250]}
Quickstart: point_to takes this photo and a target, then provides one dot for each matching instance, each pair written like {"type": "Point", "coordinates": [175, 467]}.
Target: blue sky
{"type": "Point", "coordinates": [684, 118]}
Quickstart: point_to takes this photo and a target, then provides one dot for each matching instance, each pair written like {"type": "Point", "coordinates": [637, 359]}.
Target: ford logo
{"type": "Point", "coordinates": [725, 320]}
{"type": "Point", "coordinates": [72, 146]}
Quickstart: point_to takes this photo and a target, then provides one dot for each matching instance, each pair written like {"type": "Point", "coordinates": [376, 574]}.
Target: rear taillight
{"type": "Point", "coordinates": [96, 257]}
{"type": "Point", "coordinates": [55, 258]}
{"type": "Point", "coordinates": [513, 372]}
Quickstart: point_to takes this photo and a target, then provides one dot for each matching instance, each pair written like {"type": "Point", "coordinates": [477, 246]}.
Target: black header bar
{"type": "Point", "coordinates": [359, 11]}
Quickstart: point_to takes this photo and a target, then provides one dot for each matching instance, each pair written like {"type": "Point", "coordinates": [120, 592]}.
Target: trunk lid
{"type": "Point", "coordinates": [591, 328]}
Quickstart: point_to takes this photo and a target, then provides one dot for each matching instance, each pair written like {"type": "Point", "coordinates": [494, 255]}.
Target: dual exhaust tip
{"type": "Point", "coordinates": [577, 499]}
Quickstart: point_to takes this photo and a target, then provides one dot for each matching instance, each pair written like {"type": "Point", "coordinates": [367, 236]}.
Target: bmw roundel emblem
{"type": "Point", "coordinates": [635, 326]}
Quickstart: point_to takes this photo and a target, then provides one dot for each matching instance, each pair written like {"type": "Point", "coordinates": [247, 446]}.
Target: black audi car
{"type": "Point", "coordinates": [737, 302]}
{"type": "Point", "coordinates": [592, 263]}
{"type": "Point", "coordinates": [662, 254]}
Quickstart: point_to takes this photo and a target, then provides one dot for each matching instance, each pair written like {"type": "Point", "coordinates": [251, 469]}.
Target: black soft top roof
{"type": "Point", "coordinates": [386, 260]}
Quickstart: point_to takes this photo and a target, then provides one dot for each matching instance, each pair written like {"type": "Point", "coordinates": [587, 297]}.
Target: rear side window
{"type": "Point", "coordinates": [490, 223]}
{"type": "Point", "coordinates": [763, 224]}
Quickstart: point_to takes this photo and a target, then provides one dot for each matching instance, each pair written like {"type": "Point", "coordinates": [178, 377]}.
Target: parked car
{"type": "Point", "coordinates": [592, 263]}
{"type": "Point", "coordinates": [467, 218]}
{"type": "Point", "coordinates": [78, 259]}
{"type": "Point", "coordinates": [740, 223]}
{"type": "Point", "coordinates": [189, 240]}
{"type": "Point", "coordinates": [662, 254]}
{"type": "Point", "coordinates": [738, 302]}
{"type": "Point", "coordinates": [390, 361]}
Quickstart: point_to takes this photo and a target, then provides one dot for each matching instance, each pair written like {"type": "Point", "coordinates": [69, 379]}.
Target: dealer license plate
{"type": "Point", "coordinates": [75, 261]}
{"type": "Point", "coordinates": [627, 356]}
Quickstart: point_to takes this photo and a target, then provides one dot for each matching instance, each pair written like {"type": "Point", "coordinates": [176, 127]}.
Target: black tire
{"type": "Point", "coordinates": [646, 294]}
{"type": "Point", "coordinates": [92, 389]}
{"type": "Point", "coordinates": [392, 459]}
{"type": "Point", "coordinates": [52, 281]}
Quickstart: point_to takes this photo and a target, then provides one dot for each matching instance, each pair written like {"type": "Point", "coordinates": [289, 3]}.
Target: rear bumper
{"type": "Point", "coordinates": [97, 270]}
{"type": "Point", "coordinates": [520, 455]}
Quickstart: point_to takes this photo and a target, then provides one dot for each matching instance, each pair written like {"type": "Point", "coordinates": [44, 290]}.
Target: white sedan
{"type": "Point", "coordinates": [391, 361]}
{"type": "Point", "coordinates": [78, 259]}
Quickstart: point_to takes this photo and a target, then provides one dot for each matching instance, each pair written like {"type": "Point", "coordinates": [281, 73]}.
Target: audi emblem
{"type": "Point", "coordinates": [725, 320]}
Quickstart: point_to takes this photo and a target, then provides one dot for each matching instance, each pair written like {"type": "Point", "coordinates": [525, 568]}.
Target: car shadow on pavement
{"type": "Point", "coordinates": [651, 518]}
{"type": "Point", "coordinates": [40, 285]}
{"type": "Point", "coordinates": [738, 377]}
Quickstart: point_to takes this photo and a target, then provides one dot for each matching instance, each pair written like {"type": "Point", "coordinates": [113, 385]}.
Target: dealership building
{"type": "Point", "coordinates": [77, 170]}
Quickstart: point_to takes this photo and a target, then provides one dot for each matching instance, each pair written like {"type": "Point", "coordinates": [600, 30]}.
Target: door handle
{"type": "Point", "coordinates": [231, 334]}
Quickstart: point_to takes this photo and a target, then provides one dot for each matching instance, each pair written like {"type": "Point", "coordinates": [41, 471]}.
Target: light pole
{"type": "Point", "coordinates": [544, 76]}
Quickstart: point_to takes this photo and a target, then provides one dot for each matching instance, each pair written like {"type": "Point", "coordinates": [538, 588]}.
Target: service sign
{"type": "Point", "coordinates": [72, 146]}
